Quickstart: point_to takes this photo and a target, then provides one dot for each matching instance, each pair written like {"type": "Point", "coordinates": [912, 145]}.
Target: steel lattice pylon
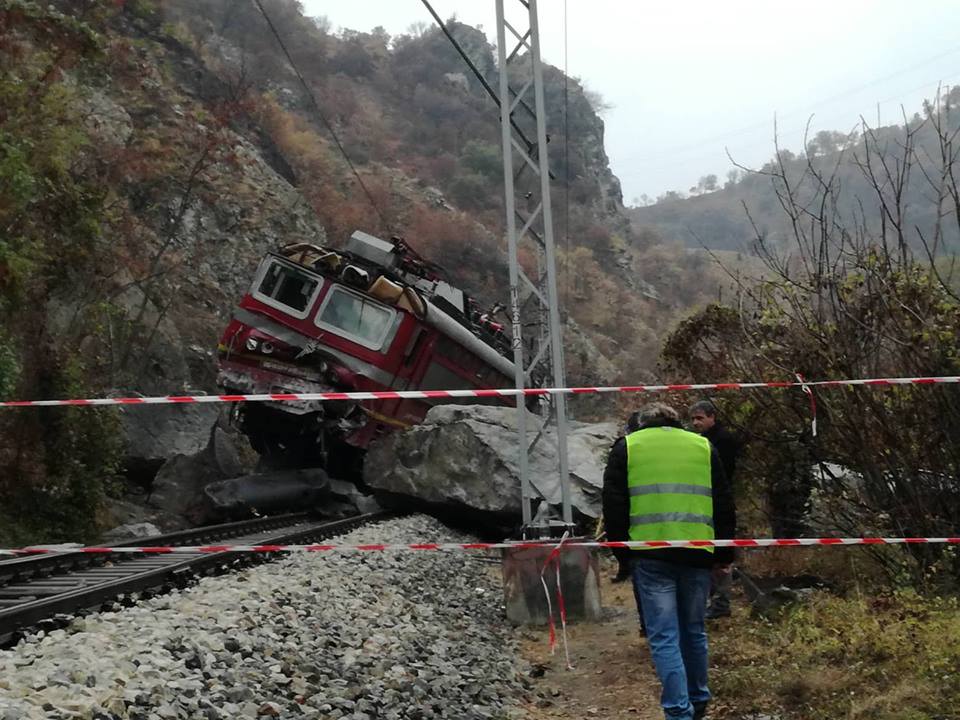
{"type": "Point", "coordinates": [533, 303]}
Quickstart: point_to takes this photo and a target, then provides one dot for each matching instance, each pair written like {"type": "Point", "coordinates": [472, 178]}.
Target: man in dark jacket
{"type": "Point", "coordinates": [703, 418]}
{"type": "Point", "coordinates": [664, 483]}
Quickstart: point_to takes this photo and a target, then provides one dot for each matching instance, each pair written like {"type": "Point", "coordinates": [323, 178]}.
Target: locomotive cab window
{"type": "Point", "coordinates": [356, 318]}
{"type": "Point", "coordinates": [287, 288]}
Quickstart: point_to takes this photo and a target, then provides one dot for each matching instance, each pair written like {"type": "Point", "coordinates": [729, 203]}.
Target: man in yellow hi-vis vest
{"type": "Point", "coordinates": [664, 483]}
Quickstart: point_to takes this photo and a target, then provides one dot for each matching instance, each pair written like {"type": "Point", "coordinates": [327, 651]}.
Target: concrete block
{"type": "Point", "coordinates": [525, 599]}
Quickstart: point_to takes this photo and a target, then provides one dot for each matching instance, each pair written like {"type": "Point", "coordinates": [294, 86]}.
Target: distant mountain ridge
{"type": "Point", "coordinates": [731, 217]}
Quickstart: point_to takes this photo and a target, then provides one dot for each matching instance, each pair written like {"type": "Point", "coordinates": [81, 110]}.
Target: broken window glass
{"type": "Point", "coordinates": [355, 317]}
{"type": "Point", "coordinates": [286, 287]}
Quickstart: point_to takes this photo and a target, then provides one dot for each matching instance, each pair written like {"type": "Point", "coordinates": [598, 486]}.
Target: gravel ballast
{"type": "Point", "coordinates": [359, 635]}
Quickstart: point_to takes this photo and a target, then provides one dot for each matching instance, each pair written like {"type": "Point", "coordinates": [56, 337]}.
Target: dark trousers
{"type": "Point", "coordinates": [623, 556]}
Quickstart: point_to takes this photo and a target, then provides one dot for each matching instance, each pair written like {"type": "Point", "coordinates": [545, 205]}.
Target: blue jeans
{"type": "Point", "coordinates": [674, 599]}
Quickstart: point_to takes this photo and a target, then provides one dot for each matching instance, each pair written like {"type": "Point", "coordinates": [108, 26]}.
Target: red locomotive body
{"type": "Point", "coordinates": [374, 316]}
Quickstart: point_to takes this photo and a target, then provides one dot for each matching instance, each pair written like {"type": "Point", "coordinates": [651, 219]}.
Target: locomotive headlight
{"type": "Point", "coordinates": [266, 348]}
{"type": "Point", "coordinates": [251, 344]}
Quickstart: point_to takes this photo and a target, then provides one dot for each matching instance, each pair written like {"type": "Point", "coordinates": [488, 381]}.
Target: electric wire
{"type": "Point", "coordinates": [327, 124]}
{"type": "Point", "coordinates": [566, 158]}
{"type": "Point", "coordinates": [674, 162]}
{"type": "Point", "coordinates": [528, 144]}
{"type": "Point", "coordinates": [670, 152]}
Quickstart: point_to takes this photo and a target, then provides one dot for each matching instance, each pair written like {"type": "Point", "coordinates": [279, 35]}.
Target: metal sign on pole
{"type": "Point", "coordinates": [533, 302]}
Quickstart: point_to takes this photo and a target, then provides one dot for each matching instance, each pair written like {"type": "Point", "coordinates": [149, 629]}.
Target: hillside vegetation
{"type": "Point", "coordinates": [151, 152]}
{"type": "Point", "coordinates": [852, 274]}
{"type": "Point", "coordinates": [870, 167]}
{"type": "Point", "coordinates": [426, 139]}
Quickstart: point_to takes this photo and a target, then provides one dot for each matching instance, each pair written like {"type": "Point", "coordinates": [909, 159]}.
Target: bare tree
{"type": "Point", "coordinates": [850, 295]}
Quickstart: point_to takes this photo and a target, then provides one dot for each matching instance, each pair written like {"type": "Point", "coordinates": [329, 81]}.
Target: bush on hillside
{"type": "Point", "coordinates": [845, 303]}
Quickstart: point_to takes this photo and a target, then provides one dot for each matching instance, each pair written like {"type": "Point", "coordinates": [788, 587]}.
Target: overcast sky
{"type": "Point", "coordinates": [689, 78]}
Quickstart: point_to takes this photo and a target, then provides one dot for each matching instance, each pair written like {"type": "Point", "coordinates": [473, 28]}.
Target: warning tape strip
{"type": "Point", "coordinates": [486, 393]}
{"type": "Point", "coordinates": [522, 545]}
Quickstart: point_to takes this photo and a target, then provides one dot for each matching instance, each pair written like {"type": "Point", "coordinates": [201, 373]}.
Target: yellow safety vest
{"type": "Point", "coordinates": [669, 482]}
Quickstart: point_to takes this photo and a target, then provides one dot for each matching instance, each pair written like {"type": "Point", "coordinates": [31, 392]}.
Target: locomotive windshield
{"type": "Point", "coordinates": [356, 318]}
{"type": "Point", "coordinates": [287, 288]}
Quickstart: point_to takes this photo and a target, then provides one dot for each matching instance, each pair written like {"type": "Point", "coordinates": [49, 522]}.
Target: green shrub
{"type": "Point", "coordinates": [482, 159]}
{"type": "Point", "coordinates": [60, 495]}
{"type": "Point", "coordinates": [9, 367]}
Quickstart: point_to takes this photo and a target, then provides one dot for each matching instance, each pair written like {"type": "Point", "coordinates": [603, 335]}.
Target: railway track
{"type": "Point", "coordinates": [47, 589]}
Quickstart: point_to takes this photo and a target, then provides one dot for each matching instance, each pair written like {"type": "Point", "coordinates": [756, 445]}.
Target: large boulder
{"type": "Point", "coordinates": [466, 456]}
{"type": "Point", "coordinates": [156, 433]}
{"type": "Point", "coordinates": [177, 490]}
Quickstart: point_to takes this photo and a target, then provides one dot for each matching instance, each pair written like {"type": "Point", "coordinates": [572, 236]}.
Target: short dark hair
{"type": "Point", "coordinates": [633, 422]}
{"type": "Point", "coordinates": [705, 406]}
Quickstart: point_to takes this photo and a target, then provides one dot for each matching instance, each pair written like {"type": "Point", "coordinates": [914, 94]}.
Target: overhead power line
{"type": "Point", "coordinates": [655, 162]}
{"type": "Point", "coordinates": [669, 152]}
{"type": "Point", "coordinates": [323, 118]}
{"type": "Point", "coordinates": [567, 275]}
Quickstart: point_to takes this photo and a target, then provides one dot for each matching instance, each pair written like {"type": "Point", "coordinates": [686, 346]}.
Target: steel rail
{"type": "Point", "coordinates": [26, 567]}
{"type": "Point", "coordinates": [25, 604]}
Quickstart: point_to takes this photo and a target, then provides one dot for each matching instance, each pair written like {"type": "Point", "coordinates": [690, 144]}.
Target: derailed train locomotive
{"type": "Point", "coordinates": [373, 316]}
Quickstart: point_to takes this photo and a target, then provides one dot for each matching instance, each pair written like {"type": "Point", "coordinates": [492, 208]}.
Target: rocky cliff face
{"type": "Point", "coordinates": [598, 165]}
{"type": "Point", "coordinates": [198, 194]}
{"type": "Point", "coordinates": [238, 193]}
{"type": "Point", "coordinates": [179, 146]}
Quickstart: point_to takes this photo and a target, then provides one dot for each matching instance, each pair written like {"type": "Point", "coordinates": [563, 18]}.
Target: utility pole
{"type": "Point", "coordinates": [533, 302]}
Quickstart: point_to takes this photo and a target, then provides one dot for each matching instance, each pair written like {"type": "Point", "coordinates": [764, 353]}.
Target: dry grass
{"type": "Point", "coordinates": [865, 657]}
{"type": "Point", "coordinates": [895, 657]}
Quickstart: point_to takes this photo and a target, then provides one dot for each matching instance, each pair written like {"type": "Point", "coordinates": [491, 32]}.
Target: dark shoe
{"type": "Point", "coordinates": [699, 711]}
{"type": "Point", "coordinates": [717, 613]}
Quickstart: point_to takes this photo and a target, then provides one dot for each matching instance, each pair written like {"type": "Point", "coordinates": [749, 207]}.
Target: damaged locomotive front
{"type": "Point", "coordinates": [374, 316]}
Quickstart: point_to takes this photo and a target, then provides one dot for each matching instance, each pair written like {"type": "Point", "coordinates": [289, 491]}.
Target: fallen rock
{"type": "Point", "coordinates": [133, 511]}
{"type": "Point", "coordinates": [774, 602]}
{"type": "Point", "coordinates": [131, 530]}
{"type": "Point", "coordinates": [225, 450]}
{"type": "Point", "coordinates": [154, 435]}
{"type": "Point", "coordinates": [466, 456]}
{"type": "Point", "coordinates": [348, 493]}
{"type": "Point", "coordinates": [770, 596]}
{"type": "Point", "coordinates": [177, 490]}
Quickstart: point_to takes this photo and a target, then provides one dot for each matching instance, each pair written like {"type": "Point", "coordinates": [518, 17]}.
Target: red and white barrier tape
{"type": "Point", "coordinates": [813, 403]}
{"type": "Point", "coordinates": [554, 559]}
{"type": "Point", "coordinates": [500, 392]}
{"type": "Point", "coordinates": [393, 547]}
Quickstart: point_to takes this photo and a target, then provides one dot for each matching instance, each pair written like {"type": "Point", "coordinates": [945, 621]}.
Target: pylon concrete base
{"type": "Point", "coordinates": [523, 590]}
